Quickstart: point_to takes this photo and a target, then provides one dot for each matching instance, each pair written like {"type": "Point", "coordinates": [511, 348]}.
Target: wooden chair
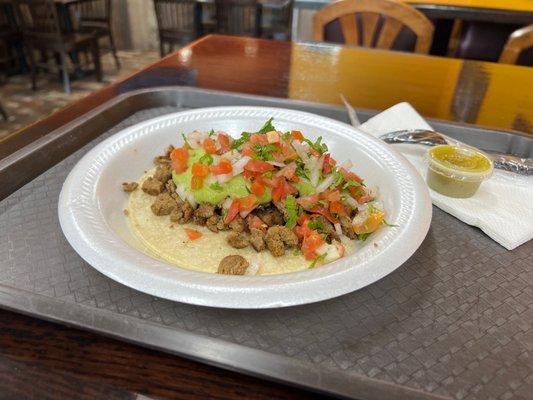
{"type": "Point", "coordinates": [374, 23]}
{"type": "Point", "coordinates": [239, 17]}
{"type": "Point", "coordinates": [94, 17]}
{"type": "Point", "coordinates": [41, 32]}
{"type": "Point", "coordinates": [178, 22]}
{"type": "Point", "coordinates": [520, 42]}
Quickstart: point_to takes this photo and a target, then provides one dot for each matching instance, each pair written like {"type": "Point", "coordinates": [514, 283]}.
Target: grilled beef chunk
{"type": "Point", "coordinates": [238, 224]}
{"type": "Point", "coordinates": [257, 239]}
{"type": "Point", "coordinates": [233, 265]}
{"type": "Point", "coordinates": [129, 186]}
{"type": "Point", "coordinates": [279, 237]}
{"type": "Point", "coordinates": [212, 223]}
{"type": "Point", "coordinates": [205, 210]}
{"type": "Point", "coordinates": [326, 228]}
{"type": "Point", "coordinates": [164, 204]}
{"type": "Point", "coordinates": [163, 173]}
{"type": "Point", "coordinates": [152, 186]}
{"type": "Point", "coordinates": [347, 227]}
{"type": "Point", "coordinates": [239, 240]}
{"type": "Point", "coordinates": [182, 213]}
{"type": "Point", "coordinates": [270, 216]}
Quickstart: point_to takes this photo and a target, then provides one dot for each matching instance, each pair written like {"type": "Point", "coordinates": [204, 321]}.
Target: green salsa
{"type": "Point", "coordinates": [457, 171]}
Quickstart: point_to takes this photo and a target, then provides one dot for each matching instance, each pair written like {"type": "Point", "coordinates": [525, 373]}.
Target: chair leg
{"type": "Point", "coordinates": [95, 50]}
{"type": "Point", "coordinates": [114, 50]}
{"type": "Point", "coordinates": [161, 48]}
{"type": "Point", "coordinates": [3, 112]}
{"type": "Point", "coordinates": [64, 72]}
{"type": "Point", "coordinates": [33, 68]}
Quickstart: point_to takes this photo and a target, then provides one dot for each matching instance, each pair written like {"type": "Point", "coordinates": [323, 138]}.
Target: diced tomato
{"type": "Point", "coordinates": [314, 152]}
{"type": "Point", "coordinates": [287, 171]}
{"type": "Point", "coordinates": [310, 244]}
{"type": "Point", "coordinates": [209, 146]}
{"type": "Point", "coordinates": [288, 153]}
{"type": "Point", "coordinates": [258, 188]}
{"type": "Point", "coordinates": [259, 138]}
{"type": "Point", "coordinates": [232, 212]}
{"type": "Point", "coordinates": [348, 175]}
{"type": "Point", "coordinates": [282, 189]}
{"type": "Point", "coordinates": [246, 150]}
{"type": "Point", "coordinates": [255, 223]}
{"type": "Point", "coordinates": [325, 213]}
{"type": "Point", "coordinates": [193, 234]}
{"type": "Point", "coordinates": [308, 202]}
{"type": "Point", "coordinates": [223, 167]}
{"type": "Point", "coordinates": [200, 170]}
{"type": "Point", "coordinates": [247, 203]}
{"type": "Point", "coordinates": [197, 182]}
{"type": "Point", "coordinates": [328, 165]}
{"type": "Point", "coordinates": [303, 218]}
{"type": "Point", "coordinates": [258, 166]}
{"type": "Point", "coordinates": [224, 142]}
{"type": "Point", "coordinates": [336, 207]}
{"type": "Point", "coordinates": [297, 135]}
{"type": "Point", "coordinates": [331, 195]}
{"type": "Point", "coordinates": [179, 157]}
{"type": "Point", "coordinates": [272, 137]}
{"type": "Point", "coordinates": [365, 198]}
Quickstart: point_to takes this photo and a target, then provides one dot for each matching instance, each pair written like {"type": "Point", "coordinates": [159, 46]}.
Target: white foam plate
{"type": "Point", "coordinates": [91, 205]}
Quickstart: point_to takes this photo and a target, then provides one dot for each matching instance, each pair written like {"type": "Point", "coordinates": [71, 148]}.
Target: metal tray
{"type": "Point", "coordinates": [453, 321]}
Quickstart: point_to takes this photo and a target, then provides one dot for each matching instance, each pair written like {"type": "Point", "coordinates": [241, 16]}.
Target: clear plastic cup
{"type": "Point", "coordinates": [457, 171]}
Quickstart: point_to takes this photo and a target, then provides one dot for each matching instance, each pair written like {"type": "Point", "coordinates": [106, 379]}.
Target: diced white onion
{"type": "Point", "coordinates": [253, 268]}
{"type": "Point", "coordinates": [373, 192]}
{"type": "Point", "coordinates": [338, 228]}
{"type": "Point", "coordinates": [314, 175]}
{"type": "Point", "coordinates": [244, 214]}
{"type": "Point", "coordinates": [326, 183]}
{"type": "Point", "coordinates": [379, 205]}
{"type": "Point", "coordinates": [347, 165]}
{"type": "Point", "coordinates": [227, 203]}
{"type": "Point", "coordinates": [238, 166]}
{"type": "Point", "coordinates": [360, 218]}
{"type": "Point", "coordinates": [180, 190]}
{"type": "Point", "coordinates": [196, 138]}
{"type": "Point", "coordinates": [223, 178]}
{"type": "Point", "coordinates": [301, 150]}
{"type": "Point", "coordinates": [276, 164]}
{"type": "Point", "coordinates": [351, 201]}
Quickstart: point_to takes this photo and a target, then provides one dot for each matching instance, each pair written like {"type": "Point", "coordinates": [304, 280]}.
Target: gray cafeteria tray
{"type": "Point", "coordinates": [454, 321]}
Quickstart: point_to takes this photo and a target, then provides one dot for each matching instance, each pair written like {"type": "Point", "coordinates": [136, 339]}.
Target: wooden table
{"type": "Point", "coordinates": [57, 362]}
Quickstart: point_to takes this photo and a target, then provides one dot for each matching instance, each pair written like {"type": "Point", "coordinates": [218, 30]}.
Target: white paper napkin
{"type": "Point", "coordinates": [503, 205]}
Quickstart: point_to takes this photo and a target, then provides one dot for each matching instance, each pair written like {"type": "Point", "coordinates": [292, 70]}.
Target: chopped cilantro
{"type": "Point", "coordinates": [317, 145]}
{"type": "Point", "coordinates": [363, 236]}
{"type": "Point", "coordinates": [216, 186]}
{"type": "Point", "coordinates": [389, 225]}
{"type": "Point", "coordinates": [286, 136]}
{"type": "Point", "coordinates": [239, 142]}
{"type": "Point", "coordinates": [185, 139]}
{"type": "Point", "coordinates": [351, 182]}
{"type": "Point", "coordinates": [316, 223]}
{"type": "Point", "coordinates": [206, 159]}
{"type": "Point", "coordinates": [264, 152]}
{"type": "Point", "coordinates": [292, 211]}
{"type": "Point", "coordinates": [318, 259]}
{"type": "Point", "coordinates": [302, 171]}
{"type": "Point", "coordinates": [211, 132]}
{"type": "Point", "coordinates": [296, 252]}
{"type": "Point", "coordinates": [338, 178]}
{"type": "Point", "coordinates": [267, 127]}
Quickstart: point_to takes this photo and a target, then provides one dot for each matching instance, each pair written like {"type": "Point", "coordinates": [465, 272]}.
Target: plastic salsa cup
{"type": "Point", "coordinates": [457, 171]}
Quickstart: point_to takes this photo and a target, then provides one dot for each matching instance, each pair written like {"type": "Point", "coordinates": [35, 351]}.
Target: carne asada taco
{"type": "Point", "coordinates": [268, 202]}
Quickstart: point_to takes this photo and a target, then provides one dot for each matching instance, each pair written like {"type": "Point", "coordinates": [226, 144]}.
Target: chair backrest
{"type": "Point", "coordinates": [374, 23]}
{"type": "Point", "coordinates": [38, 19]}
{"type": "Point", "coordinates": [176, 16]}
{"type": "Point", "coordinates": [239, 17]}
{"type": "Point", "coordinates": [520, 42]}
{"type": "Point", "coordinates": [94, 11]}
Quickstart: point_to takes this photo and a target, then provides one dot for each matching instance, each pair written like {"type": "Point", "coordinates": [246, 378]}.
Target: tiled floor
{"type": "Point", "coordinates": [25, 106]}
